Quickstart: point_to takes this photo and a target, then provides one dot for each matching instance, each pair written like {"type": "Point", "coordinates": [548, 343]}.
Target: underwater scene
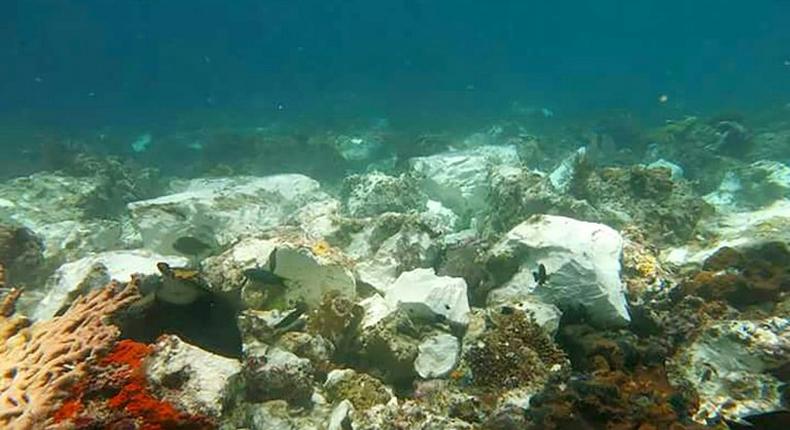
{"type": "Point", "coordinates": [394, 214]}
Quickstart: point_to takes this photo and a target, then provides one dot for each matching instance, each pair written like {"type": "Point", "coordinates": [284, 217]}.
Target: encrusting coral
{"type": "Point", "coordinates": [40, 363]}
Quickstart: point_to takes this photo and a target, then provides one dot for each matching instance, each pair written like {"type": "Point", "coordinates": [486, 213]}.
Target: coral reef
{"type": "Point", "coordinates": [459, 289]}
{"type": "Point", "coordinates": [41, 364]}
{"type": "Point", "coordinates": [666, 209]}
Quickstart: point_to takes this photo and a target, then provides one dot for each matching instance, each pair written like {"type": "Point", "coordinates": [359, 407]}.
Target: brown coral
{"type": "Point", "coordinates": [743, 277]}
{"type": "Point", "coordinates": [40, 364]}
{"type": "Point", "coordinates": [514, 352]}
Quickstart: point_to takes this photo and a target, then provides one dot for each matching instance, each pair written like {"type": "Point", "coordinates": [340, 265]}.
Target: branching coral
{"type": "Point", "coordinates": [40, 364]}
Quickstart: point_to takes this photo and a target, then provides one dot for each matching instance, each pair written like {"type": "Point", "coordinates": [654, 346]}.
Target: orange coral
{"type": "Point", "coordinates": [116, 392]}
{"type": "Point", "coordinates": [40, 364]}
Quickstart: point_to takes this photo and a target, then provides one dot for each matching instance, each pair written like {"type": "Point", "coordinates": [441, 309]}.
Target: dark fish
{"type": "Point", "coordinates": [292, 317]}
{"type": "Point", "coordinates": [189, 245]}
{"type": "Point", "coordinates": [264, 276]}
{"type": "Point", "coordinates": [541, 277]}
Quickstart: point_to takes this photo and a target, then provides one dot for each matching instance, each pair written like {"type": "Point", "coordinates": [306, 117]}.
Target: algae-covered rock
{"type": "Point", "coordinates": [734, 230]}
{"type": "Point", "coordinates": [376, 193]}
{"type": "Point", "coordinates": [389, 347]}
{"type": "Point", "coordinates": [666, 209]}
{"type": "Point", "coordinates": [513, 352]}
{"type": "Point", "coordinates": [57, 209]}
{"type": "Point", "coordinates": [362, 390]}
{"type": "Point", "coordinates": [751, 187]}
{"type": "Point", "coordinates": [278, 374]}
{"type": "Point", "coordinates": [729, 365]}
{"type": "Point", "coordinates": [743, 276]}
{"type": "Point", "coordinates": [517, 194]}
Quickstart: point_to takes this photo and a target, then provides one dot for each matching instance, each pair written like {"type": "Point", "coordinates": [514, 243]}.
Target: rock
{"type": "Point", "coordinates": [279, 415]}
{"type": "Point", "coordinates": [193, 380]}
{"type": "Point", "coordinates": [677, 171]}
{"type": "Point", "coordinates": [267, 326]}
{"type": "Point", "coordinates": [95, 271]}
{"type": "Point", "coordinates": [315, 348]}
{"type": "Point", "coordinates": [341, 416]}
{"type": "Point", "coordinates": [226, 271]}
{"type": "Point", "coordinates": [376, 193]}
{"type": "Point", "coordinates": [734, 230]}
{"type": "Point", "coordinates": [319, 220]}
{"type": "Point", "coordinates": [755, 186]}
{"type": "Point", "coordinates": [21, 252]}
{"type": "Point", "coordinates": [516, 194]}
{"type": "Point", "coordinates": [729, 365]}
{"type": "Point", "coordinates": [437, 356]}
{"type": "Point", "coordinates": [358, 148]}
{"type": "Point", "coordinates": [219, 211]}
{"type": "Point", "coordinates": [440, 218]}
{"type": "Point", "coordinates": [389, 347]}
{"type": "Point", "coordinates": [561, 178]}
{"type": "Point", "coordinates": [459, 179]}
{"type": "Point", "coordinates": [281, 271]}
{"type": "Point", "coordinates": [310, 273]}
{"type": "Point", "coordinates": [280, 375]}
{"type": "Point", "coordinates": [390, 245]}
{"type": "Point", "coordinates": [546, 315]}
{"type": "Point", "coordinates": [582, 261]}
{"type": "Point", "coordinates": [59, 210]}
{"type": "Point", "coordinates": [422, 294]}
{"type": "Point", "coordinates": [376, 309]}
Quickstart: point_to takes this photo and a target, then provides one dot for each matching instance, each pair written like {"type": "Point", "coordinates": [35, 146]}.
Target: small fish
{"type": "Point", "coordinates": [289, 320]}
{"type": "Point", "coordinates": [265, 275]}
{"type": "Point", "coordinates": [540, 276]}
{"type": "Point", "coordinates": [189, 245]}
